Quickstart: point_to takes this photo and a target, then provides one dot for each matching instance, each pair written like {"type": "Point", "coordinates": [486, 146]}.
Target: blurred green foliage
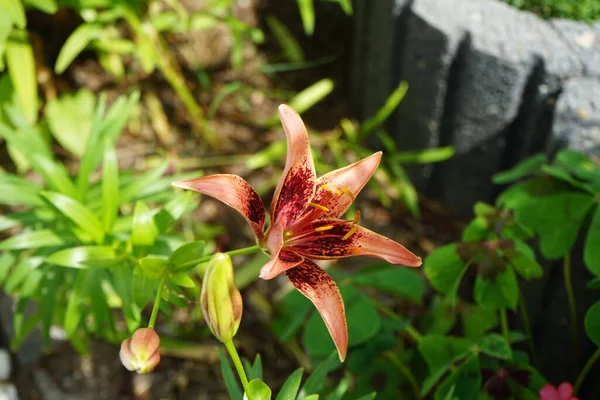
{"type": "Point", "coordinates": [585, 10]}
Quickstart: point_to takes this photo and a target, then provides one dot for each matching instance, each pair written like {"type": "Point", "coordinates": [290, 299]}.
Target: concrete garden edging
{"type": "Point", "coordinates": [495, 82]}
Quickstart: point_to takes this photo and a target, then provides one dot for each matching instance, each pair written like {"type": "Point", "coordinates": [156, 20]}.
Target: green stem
{"type": "Point", "coordinates": [572, 307]}
{"type": "Point", "coordinates": [408, 329]}
{"type": "Point", "coordinates": [504, 324]}
{"type": "Point", "coordinates": [406, 372]}
{"type": "Point", "coordinates": [158, 297]}
{"type": "Point", "coordinates": [237, 363]}
{"type": "Point", "coordinates": [527, 326]}
{"type": "Point", "coordinates": [586, 368]}
{"type": "Point", "coordinates": [232, 253]}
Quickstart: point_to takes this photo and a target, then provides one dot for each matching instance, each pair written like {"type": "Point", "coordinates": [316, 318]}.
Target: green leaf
{"type": "Point", "coordinates": [132, 190]}
{"type": "Point", "coordinates": [307, 13]}
{"type": "Point", "coordinates": [285, 39]}
{"type": "Point", "coordinates": [557, 219]}
{"type": "Point", "coordinates": [591, 252]}
{"type": "Point", "coordinates": [579, 164]}
{"type": "Point", "coordinates": [174, 209]}
{"type": "Point", "coordinates": [48, 303]}
{"type": "Point", "coordinates": [20, 273]}
{"type": "Point", "coordinates": [257, 390]}
{"type": "Point", "coordinates": [441, 316]}
{"type": "Point", "coordinates": [55, 175]}
{"type": "Point", "coordinates": [494, 345]}
{"type": "Point", "coordinates": [592, 323]}
{"type": "Point", "coordinates": [16, 12]}
{"type": "Point", "coordinates": [444, 268]}
{"type": "Point", "coordinates": [77, 213]}
{"type": "Point", "coordinates": [79, 39]}
{"type": "Point", "coordinates": [523, 263]}
{"type": "Point", "coordinates": [289, 390]}
{"type": "Point", "coordinates": [144, 231]}
{"type": "Point", "coordinates": [186, 256]}
{"type": "Point", "coordinates": [47, 6]}
{"type": "Point", "coordinates": [233, 388]}
{"type": "Point", "coordinates": [70, 119]}
{"type": "Point", "coordinates": [362, 318]}
{"type": "Point", "coordinates": [182, 279]}
{"type": "Point", "coordinates": [36, 239]}
{"type": "Point", "coordinates": [477, 320]}
{"type": "Point", "coordinates": [18, 195]}
{"type": "Point", "coordinates": [501, 292]}
{"type": "Point", "coordinates": [7, 260]}
{"type": "Point", "coordinates": [79, 257]}
{"type": "Point", "coordinates": [464, 382]}
{"type": "Point", "coordinates": [392, 102]}
{"type": "Point", "coordinates": [154, 267]}
{"type": "Point", "coordinates": [123, 284]}
{"type": "Point", "coordinates": [594, 283]}
{"type": "Point", "coordinates": [440, 353]}
{"type": "Point", "coordinates": [74, 312]}
{"type": "Point", "coordinates": [317, 378]}
{"type": "Point", "coordinates": [521, 170]}
{"type": "Point", "coordinates": [254, 370]}
{"type": "Point", "coordinates": [110, 187]}
{"type": "Point", "coordinates": [21, 68]}
{"type": "Point", "coordinates": [290, 315]}
{"type": "Point", "coordinates": [402, 281]}
{"type": "Point", "coordinates": [6, 27]}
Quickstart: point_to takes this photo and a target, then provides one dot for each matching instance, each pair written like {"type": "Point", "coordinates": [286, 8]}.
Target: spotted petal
{"type": "Point", "coordinates": [338, 242]}
{"type": "Point", "coordinates": [343, 185]}
{"type": "Point", "coordinates": [280, 260]}
{"type": "Point", "coordinates": [321, 289]}
{"type": "Point", "coordinates": [233, 191]}
{"type": "Point", "coordinates": [297, 184]}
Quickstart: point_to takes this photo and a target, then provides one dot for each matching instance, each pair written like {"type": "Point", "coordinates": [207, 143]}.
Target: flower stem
{"type": "Point", "coordinates": [586, 368]}
{"type": "Point", "coordinates": [237, 363]}
{"type": "Point", "coordinates": [504, 324]}
{"type": "Point", "coordinates": [527, 326]}
{"type": "Point", "coordinates": [158, 297]}
{"type": "Point", "coordinates": [572, 307]}
{"type": "Point", "coordinates": [408, 329]}
{"type": "Point", "coordinates": [393, 357]}
{"type": "Point", "coordinates": [237, 252]}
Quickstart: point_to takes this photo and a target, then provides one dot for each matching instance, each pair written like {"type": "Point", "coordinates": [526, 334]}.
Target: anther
{"type": "Point", "coordinates": [326, 188]}
{"type": "Point", "coordinates": [350, 232]}
{"type": "Point", "coordinates": [348, 192]}
{"type": "Point", "coordinates": [323, 228]}
{"type": "Point", "coordinates": [320, 207]}
{"type": "Point", "coordinates": [356, 217]}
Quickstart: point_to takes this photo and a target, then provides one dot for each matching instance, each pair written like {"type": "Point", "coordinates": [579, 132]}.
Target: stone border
{"type": "Point", "coordinates": [497, 83]}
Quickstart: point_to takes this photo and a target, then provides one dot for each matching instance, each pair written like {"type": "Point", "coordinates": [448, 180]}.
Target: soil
{"type": "Point", "coordinates": [196, 374]}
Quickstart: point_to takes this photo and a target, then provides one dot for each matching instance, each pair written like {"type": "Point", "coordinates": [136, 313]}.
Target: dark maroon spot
{"type": "Point", "coordinates": [296, 190]}
{"type": "Point", "coordinates": [308, 276]}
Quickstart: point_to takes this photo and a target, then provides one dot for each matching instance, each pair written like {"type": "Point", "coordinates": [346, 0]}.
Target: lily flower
{"type": "Point", "coordinates": [305, 222]}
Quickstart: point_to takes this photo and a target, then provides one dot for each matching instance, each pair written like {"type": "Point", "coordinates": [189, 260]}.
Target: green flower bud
{"type": "Point", "coordinates": [220, 299]}
{"type": "Point", "coordinates": [140, 352]}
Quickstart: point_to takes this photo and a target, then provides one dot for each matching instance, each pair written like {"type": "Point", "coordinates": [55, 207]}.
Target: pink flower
{"type": "Point", "coordinates": [140, 352]}
{"type": "Point", "coordinates": [564, 392]}
{"type": "Point", "coordinates": [305, 222]}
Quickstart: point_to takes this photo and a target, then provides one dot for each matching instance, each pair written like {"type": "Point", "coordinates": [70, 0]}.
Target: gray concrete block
{"type": "Point", "coordinates": [577, 116]}
{"type": "Point", "coordinates": [430, 46]}
{"type": "Point", "coordinates": [584, 41]}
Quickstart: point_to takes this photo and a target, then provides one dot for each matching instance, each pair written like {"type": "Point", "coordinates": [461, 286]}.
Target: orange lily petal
{"type": "Point", "coordinates": [234, 191]}
{"type": "Point", "coordinates": [280, 260]}
{"type": "Point", "coordinates": [340, 242]}
{"type": "Point", "coordinates": [320, 288]}
{"type": "Point", "coordinates": [353, 178]}
{"type": "Point", "coordinates": [297, 184]}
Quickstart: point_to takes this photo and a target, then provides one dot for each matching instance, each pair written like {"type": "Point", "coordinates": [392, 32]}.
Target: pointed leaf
{"type": "Point", "coordinates": [187, 256]}
{"type": "Point", "coordinates": [77, 213]}
{"type": "Point", "coordinates": [154, 267]}
{"type": "Point", "coordinates": [444, 268]}
{"type": "Point", "coordinates": [592, 248]}
{"type": "Point", "coordinates": [494, 345]}
{"type": "Point", "coordinates": [35, 239]}
{"type": "Point", "coordinates": [144, 231]}
{"type": "Point", "coordinates": [21, 68]}
{"type": "Point", "coordinates": [592, 323]}
{"type": "Point", "coordinates": [317, 378]}
{"type": "Point", "coordinates": [182, 279]}
{"type": "Point", "coordinates": [289, 390]}
{"type": "Point", "coordinates": [523, 169]}
{"type": "Point", "coordinates": [82, 257]}
{"type": "Point", "coordinates": [110, 187]}
{"type": "Point", "coordinates": [233, 388]}
{"type": "Point", "coordinates": [15, 10]}
{"type": "Point", "coordinates": [75, 44]}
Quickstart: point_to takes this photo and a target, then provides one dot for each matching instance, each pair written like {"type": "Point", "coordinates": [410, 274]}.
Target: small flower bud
{"type": "Point", "coordinates": [220, 299]}
{"type": "Point", "coordinates": [140, 352]}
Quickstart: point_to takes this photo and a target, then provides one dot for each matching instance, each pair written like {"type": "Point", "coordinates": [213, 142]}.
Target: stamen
{"type": "Point", "coordinates": [350, 232]}
{"type": "Point", "coordinates": [288, 234]}
{"type": "Point", "coordinates": [356, 217]}
{"type": "Point", "coordinates": [323, 228]}
{"type": "Point", "coordinates": [325, 187]}
{"type": "Point", "coordinates": [320, 207]}
{"type": "Point", "coordinates": [348, 192]}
